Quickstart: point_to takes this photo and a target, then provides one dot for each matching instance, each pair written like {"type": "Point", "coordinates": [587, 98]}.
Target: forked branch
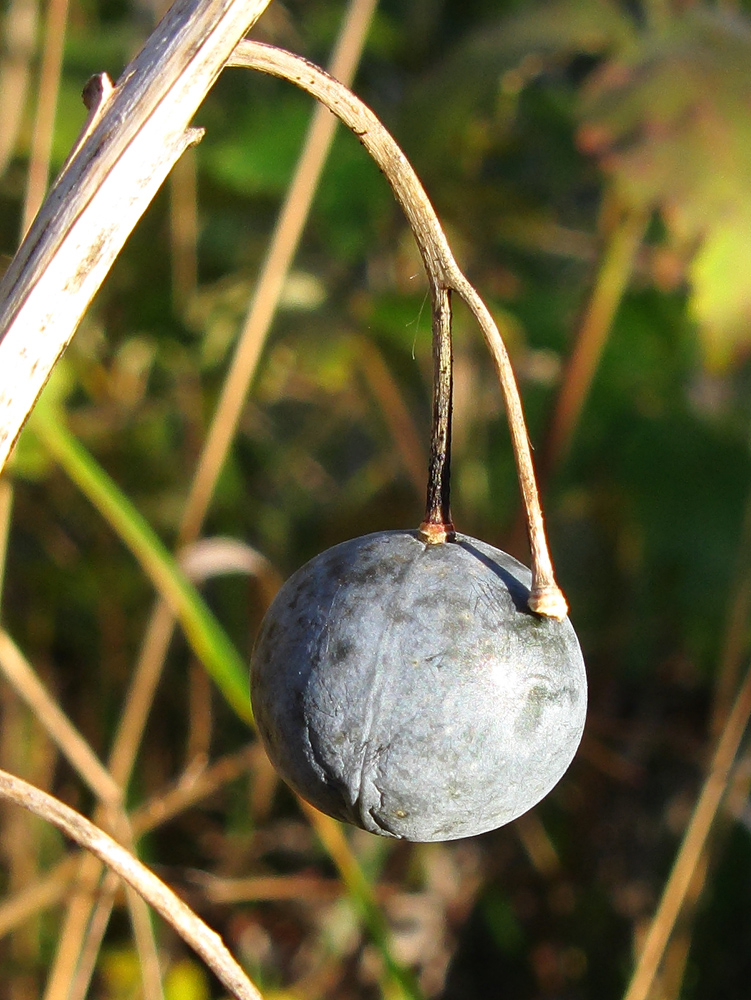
{"type": "Point", "coordinates": [443, 273]}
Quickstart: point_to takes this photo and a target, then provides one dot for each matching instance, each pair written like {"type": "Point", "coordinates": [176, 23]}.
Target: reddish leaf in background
{"type": "Point", "coordinates": [670, 120]}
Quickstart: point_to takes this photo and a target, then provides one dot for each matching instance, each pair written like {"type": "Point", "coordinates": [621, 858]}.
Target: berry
{"type": "Point", "coordinates": [406, 688]}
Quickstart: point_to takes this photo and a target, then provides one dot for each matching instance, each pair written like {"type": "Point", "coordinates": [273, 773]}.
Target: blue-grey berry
{"type": "Point", "coordinates": [407, 688]}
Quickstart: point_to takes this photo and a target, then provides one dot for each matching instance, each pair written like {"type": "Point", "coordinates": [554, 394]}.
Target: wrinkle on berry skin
{"type": "Point", "coordinates": [369, 806]}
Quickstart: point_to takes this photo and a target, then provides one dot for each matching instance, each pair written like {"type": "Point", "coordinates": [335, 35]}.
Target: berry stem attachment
{"type": "Point", "coordinates": [437, 526]}
{"type": "Point", "coordinates": [444, 276]}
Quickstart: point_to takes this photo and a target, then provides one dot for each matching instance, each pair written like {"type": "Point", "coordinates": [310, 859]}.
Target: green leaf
{"type": "Point", "coordinates": [186, 981]}
{"type": "Point", "coordinates": [206, 637]}
{"type": "Point", "coordinates": [259, 154]}
{"type": "Point", "coordinates": [592, 26]}
{"type": "Point", "coordinates": [721, 298]}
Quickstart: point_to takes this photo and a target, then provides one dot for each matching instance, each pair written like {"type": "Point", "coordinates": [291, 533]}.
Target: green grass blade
{"type": "Point", "coordinates": [205, 635]}
{"type": "Point", "coordinates": [211, 644]}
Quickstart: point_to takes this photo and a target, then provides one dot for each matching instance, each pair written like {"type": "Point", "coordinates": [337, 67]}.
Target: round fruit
{"type": "Point", "coordinates": [407, 688]}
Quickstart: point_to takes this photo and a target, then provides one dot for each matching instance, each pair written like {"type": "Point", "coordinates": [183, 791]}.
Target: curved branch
{"type": "Point", "coordinates": [443, 273]}
{"type": "Point", "coordinates": [191, 928]}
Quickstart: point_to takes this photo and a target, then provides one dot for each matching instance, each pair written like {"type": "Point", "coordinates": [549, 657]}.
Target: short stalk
{"type": "Point", "coordinates": [437, 526]}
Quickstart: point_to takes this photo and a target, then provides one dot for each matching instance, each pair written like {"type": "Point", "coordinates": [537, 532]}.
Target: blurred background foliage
{"type": "Point", "coordinates": [591, 161]}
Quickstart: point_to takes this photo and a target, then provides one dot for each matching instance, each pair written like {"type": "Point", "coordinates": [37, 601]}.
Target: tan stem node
{"type": "Point", "coordinates": [436, 534]}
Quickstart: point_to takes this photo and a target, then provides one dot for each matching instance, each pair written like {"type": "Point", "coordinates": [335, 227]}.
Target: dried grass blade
{"type": "Point", "coordinates": [19, 673]}
{"type": "Point", "coordinates": [191, 928]}
{"type": "Point", "coordinates": [694, 840]}
{"type": "Point", "coordinates": [19, 29]}
{"type": "Point", "coordinates": [207, 638]}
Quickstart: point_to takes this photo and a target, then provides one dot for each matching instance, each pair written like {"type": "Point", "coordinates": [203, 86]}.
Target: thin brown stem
{"type": "Point", "coordinates": [536, 842]}
{"type": "Point", "coordinates": [120, 764]}
{"type": "Point", "coordinates": [24, 750]}
{"type": "Point", "coordinates": [735, 645]}
{"type": "Point", "coordinates": [183, 184]}
{"type": "Point", "coordinates": [143, 933]}
{"type": "Point", "coordinates": [141, 695]}
{"type": "Point", "coordinates": [68, 952]}
{"type": "Point", "coordinates": [310, 888]}
{"type": "Point", "coordinates": [37, 896]}
{"type": "Point", "coordinates": [442, 270]}
{"type": "Point", "coordinates": [437, 526]}
{"type": "Point", "coordinates": [95, 931]}
{"type": "Point", "coordinates": [736, 630]}
{"type": "Point", "coordinates": [19, 30]}
{"type": "Point", "coordinates": [394, 409]}
{"type": "Point", "coordinates": [170, 803]}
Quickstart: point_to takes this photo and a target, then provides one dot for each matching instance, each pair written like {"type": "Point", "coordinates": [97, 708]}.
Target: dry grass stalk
{"type": "Point", "coordinates": [183, 184]}
{"type": "Point", "coordinates": [51, 888]}
{"type": "Point", "coordinates": [44, 122]}
{"type": "Point", "coordinates": [24, 748]}
{"type": "Point", "coordinates": [395, 412]}
{"type": "Point", "coordinates": [6, 507]}
{"type": "Point", "coordinates": [151, 973]}
{"type": "Point", "coordinates": [612, 279]}
{"type": "Point", "coordinates": [692, 847]}
{"type": "Point", "coordinates": [282, 248]}
{"type": "Point", "coordinates": [57, 725]}
{"type": "Point", "coordinates": [86, 961]}
{"type": "Point", "coordinates": [191, 928]}
{"type": "Point", "coordinates": [734, 648]}
{"type": "Point", "coordinates": [73, 932]}
{"type": "Point", "coordinates": [19, 29]}
{"type": "Point", "coordinates": [19, 673]}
